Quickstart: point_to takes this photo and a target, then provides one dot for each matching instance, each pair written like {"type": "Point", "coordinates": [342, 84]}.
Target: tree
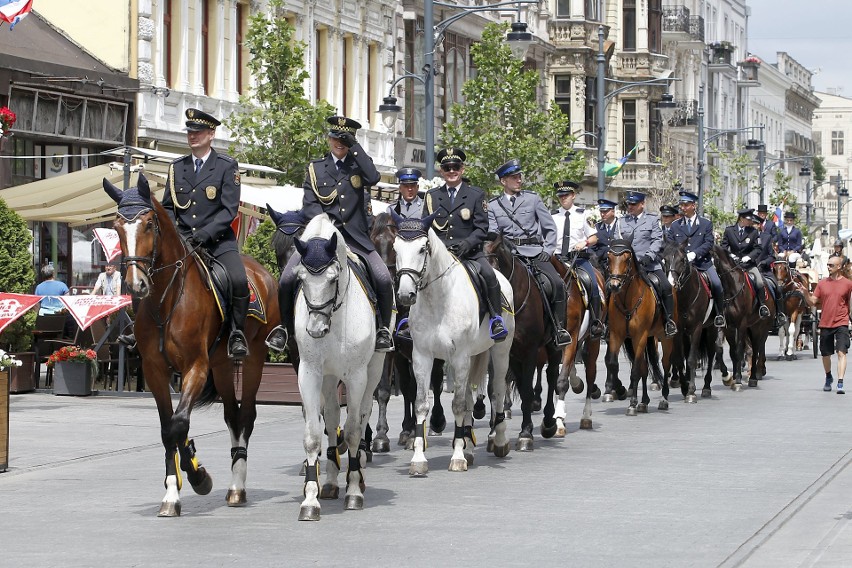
{"type": "Point", "coordinates": [16, 275]}
{"type": "Point", "coordinates": [781, 195]}
{"type": "Point", "coordinates": [736, 165]}
{"type": "Point", "coordinates": [279, 126]}
{"type": "Point", "coordinates": [500, 119]}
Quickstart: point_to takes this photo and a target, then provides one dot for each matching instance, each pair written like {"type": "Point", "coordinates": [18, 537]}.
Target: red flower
{"type": "Point", "coordinates": [7, 119]}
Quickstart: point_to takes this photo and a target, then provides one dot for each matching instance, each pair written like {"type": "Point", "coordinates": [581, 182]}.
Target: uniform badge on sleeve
{"type": "Point", "coordinates": [211, 191]}
{"type": "Point", "coordinates": [237, 178]}
{"type": "Point", "coordinates": [485, 204]}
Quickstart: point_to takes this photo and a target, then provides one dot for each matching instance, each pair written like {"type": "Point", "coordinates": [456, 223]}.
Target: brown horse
{"type": "Point", "coordinates": [179, 330]}
{"type": "Point", "coordinates": [633, 320]}
{"type": "Point", "coordinates": [532, 333]}
{"type": "Point", "coordinates": [793, 305]}
{"type": "Point", "coordinates": [743, 322]}
{"type": "Point", "coordinates": [578, 323]}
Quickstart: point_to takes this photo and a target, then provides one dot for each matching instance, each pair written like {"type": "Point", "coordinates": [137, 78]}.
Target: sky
{"type": "Point", "coordinates": [817, 34]}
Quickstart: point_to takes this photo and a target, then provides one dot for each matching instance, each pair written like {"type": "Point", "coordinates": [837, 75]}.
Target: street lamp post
{"type": "Point", "coordinates": [841, 192]}
{"type": "Point", "coordinates": [519, 40]}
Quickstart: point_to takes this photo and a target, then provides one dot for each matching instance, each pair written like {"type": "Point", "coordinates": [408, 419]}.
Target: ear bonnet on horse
{"type": "Point", "coordinates": [410, 229]}
{"type": "Point", "coordinates": [317, 253]}
{"type": "Point", "coordinates": [288, 222]}
{"type": "Point", "coordinates": [131, 202]}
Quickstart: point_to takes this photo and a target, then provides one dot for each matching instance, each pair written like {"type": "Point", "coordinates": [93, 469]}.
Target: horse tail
{"type": "Point", "coordinates": [209, 394]}
{"type": "Point", "coordinates": [707, 345]}
{"type": "Point", "coordinates": [653, 357]}
{"type": "Point", "coordinates": [628, 348]}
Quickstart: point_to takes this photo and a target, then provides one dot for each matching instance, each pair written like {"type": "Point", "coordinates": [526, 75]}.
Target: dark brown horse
{"type": "Point", "coordinates": [743, 322]}
{"type": "Point", "coordinates": [578, 323]}
{"type": "Point", "coordinates": [179, 330]}
{"type": "Point", "coordinates": [793, 306]}
{"type": "Point", "coordinates": [633, 320]}
{"type": "Point", "coordinates": [696, 340]}
{"type": "Point", "coordinates": [532, 333]}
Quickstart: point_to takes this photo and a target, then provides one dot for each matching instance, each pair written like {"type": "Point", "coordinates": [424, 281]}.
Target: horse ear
{"type": "Point", "coordinates": [331, 247]}
{"type": "Point", "coordinates": [427, 221]}
{"type": "Point", "coordinates": [143, 187]}
{"type": "Point", "coordinates": [301, 247]}
{"type": "Point", "coordinates": [274, 215]}
{"type": "Point", "coordinates": [397, 218]}
{"type": "Point", "coordinates": [112, 191]}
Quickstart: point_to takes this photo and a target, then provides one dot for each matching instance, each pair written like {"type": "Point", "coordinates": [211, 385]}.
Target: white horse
{"type": "Point", "coordinates": [445, 324]}
{"type": "Point", "coordinates": [335, 329]}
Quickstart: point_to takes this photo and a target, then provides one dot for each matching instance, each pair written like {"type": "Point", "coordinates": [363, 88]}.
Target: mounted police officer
{"type": "Point", "coordinates": [339, 185]}
{"type": "Point", "coordinates": [697, 233]}
{"type": "Point", "coordinates": [575, 236]}
{"type": "Point", "coordinates": [765, 260]}
{"type": "Point", "coordinates": [410, 202]}
{"type": "Point", "coordinates": [525, 223]}
{"type": "Point", "coordinates": [668, 215]}
{"type": "Point", "coordinates": [461, 222]}
{"type": "Point", "coordinates": [742, 240]}
{"type": "Point", "coordinates": [605, 229]}
{"type": "Point", "coordinates": [789, 236]}
{"type": "Point", "coordinates": [202, 198]}
{"type": "Point", "coordinates": [644, 231]}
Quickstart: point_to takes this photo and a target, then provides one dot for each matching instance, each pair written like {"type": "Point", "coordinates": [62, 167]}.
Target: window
{"type": "Point", "coordinates": [319, 63]}
{"type": "Point", "coordinates": [372, 74]}
{"type": "Point", "coordinates": [167, 42]}
{"type": "Point", "coordinates": [205, 46]}
{"type": "Point", "coordinates": [563, 8]}
{"type": "Point", "coordinates": [348, 69]}
{"type": "Point", "coordinates": [836, 142]}
{"type": "Point", "coordinates": [239, 59]}
{"type": "Point", "coordinates": [590, 122]}
{"type": "Point", "coordinates": [455, 71]}
{"type": "Point", "coordinates": [628, 122]}
{"type": "Point", "coordinates": [415, 96]}
{"type": "Point", "coordinates": [629, 31]}
{"type": "Point", "coordinates": [655, 131]}
{"type": "Point", "coordinates": [655, 26]}
{"type": "Point", "coordinates": [563, 94]}
{"type": "Point", "coordinates": [592, 10]}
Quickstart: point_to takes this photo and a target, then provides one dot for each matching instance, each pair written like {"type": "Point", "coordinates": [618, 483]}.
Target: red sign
{"type": "Point", "coordinates": [13, 306]}
{"type": "Point", "coordinates": [85, 308]}
{"type": "Point", "coordinates": [109, 241]}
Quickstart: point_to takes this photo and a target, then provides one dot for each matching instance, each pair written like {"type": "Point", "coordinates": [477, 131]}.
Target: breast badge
{"type": "Point", "coordinates": [356, 181]}
{"type": "Point", "coordinates": [465, 213]}
{"type": "Point", "coordinates": [211, 191]}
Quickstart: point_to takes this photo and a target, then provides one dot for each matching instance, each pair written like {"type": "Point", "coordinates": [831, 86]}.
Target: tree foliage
{"type": "Point", "coordinates": [279, 127]}
{"type": "Point", "coordinates": [501, 119]}
{"type": "Point", "coordinates": [16, 275]}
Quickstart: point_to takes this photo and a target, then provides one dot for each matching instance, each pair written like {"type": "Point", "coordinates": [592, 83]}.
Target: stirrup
{"type": "Point", "coordinates": [237, 345]}
{"type": "Point", "coordinates": [763, 311]}
{"type": "Point", "coordinates": [596, 329]}
{"type": "Point", "coordinates": [562, 338]}
{"type": "Point", "coordinates": [277, 339]}
{"type": "Point", "coordinates": [671, 328]}
{"type": "Point", "coordinates": [780, 318]}
{"type": "Point", "coordinates": [384, 341]}
{"type": "Point", "coordinates": [402, 328]}
{"type": "Point", "coordinates": [497, 329]}
{"type": "Point", "coordinates": [128, 339]}
{"type": "Point", "coordinates": [719, 321]}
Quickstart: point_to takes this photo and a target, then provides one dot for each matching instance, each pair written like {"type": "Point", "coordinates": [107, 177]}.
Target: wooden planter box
{"type": "Point", "coordinates": [4, 421]}
{"type": "Point", "coordinates": [21, 378]}
{"type": "Point", "coordinates": [280, 385]}
{"type": "Point", "coordinates": [72, 378]}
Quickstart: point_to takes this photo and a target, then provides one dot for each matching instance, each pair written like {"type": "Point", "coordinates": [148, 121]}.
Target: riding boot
{"type": "Point", "coordinates": [760, 292]}
{"type": "Point", "coordinates": [280, 335]}
{"type": "Point", "coordinates": [561, 337]}
{"type": "Point", "coordinates": [719, 311]}
{"type": "Point", "coordinates": [237, 343]}
{"type": "Point", "coordinates": [668, 308]}
{"type": "Point", "coordinates": [495, 303]}
{"type": "Point", "coordinates": [596, 327]}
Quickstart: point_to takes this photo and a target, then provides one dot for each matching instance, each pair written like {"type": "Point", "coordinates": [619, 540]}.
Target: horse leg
{"type": "Point", "coordinates": [537, 390]}
{"type": "Point", "coordinates": [310, 386]}
{"type": "Point", "coordinates": [548, 422]}
{"type": "Point", "coordinates": [593, 347]}
{"type": "Point", "coordinates": [614, 388]}
{"type": "Point", "coordinates": [562, 386]}
{"type": "Point", "coordinates": [461, 365]}
{"type": "Point", "coordinates": [336, 443]}
{"type": "Point", "coordinates": [408, 387]}
{"type": "Point", "coordinates": [359, 404]}
{"type": "Point", "coordinates": [707, 353]}
{"type": "Point", "coordinates": [638, 370]}
{"type": "Point", "coordinates": [158, 382]}
{"type": "Point", "coordinates": [422, 363]}
{"type": "Point", "coordinates": [499, 359]}
{"type": "Point", "coordinates": [381, 443]}
{"type": "Point", "coordinates": [524, 371]}
{"type": "Point", "coordinates": [694, 340]}
{"type": "Point", "coordinates": [241, 420]}
{"type": "Point", "coordinates": [734, 336]}
{"type": "Point", "coordinates": [438, 421]}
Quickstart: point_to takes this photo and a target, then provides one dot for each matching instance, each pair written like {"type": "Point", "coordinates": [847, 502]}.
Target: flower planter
{"type": "Point", "coordinates": [21, 378]}
{"type": "Point", "coordinates": [71, 378]}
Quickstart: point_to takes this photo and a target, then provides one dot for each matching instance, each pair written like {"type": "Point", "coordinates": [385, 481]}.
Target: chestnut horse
{"type": "Point", "coordinates": [179, 330]}
{"type": "Point", "coordinates": [793, 306]}
{"type": "Point", "coordinates": [532, 333]}
{"type": "Point", "coordinates": [633, 316]}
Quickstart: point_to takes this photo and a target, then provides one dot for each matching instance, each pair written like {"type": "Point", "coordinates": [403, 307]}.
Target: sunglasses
{"type": "Point", "coordinates": [451, 168]}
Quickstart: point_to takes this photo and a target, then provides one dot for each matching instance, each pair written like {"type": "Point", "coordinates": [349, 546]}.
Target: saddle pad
{"type": "Point", "coordinates": [705, 282]}
{"type": "Point", "coordinates": [217, 284]}
{"type": "Point", "coordinates": [478, 284]}
{"type": "Point", "coordinates": [753, 289]}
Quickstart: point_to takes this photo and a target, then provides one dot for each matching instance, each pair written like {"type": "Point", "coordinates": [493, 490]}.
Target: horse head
{"type": "Point", "coordinates": [674, 257]}
{"type": "Point", "coordinates": [288, 226]}
{"type": "Point", "coordinates": [323, 261]}
{"type": "Point", "coordinates": [383, 235]}
{"type": "Point", "coordinates": [498, 253]}
{"type": "Point", "coordinates": [781, 271]}
{"type": "Point", "coordinates": [414, 244]}
{"type": "Point", "coordinates": [138, 233]}
{"type": "Point", "coordinates": [622, 264]}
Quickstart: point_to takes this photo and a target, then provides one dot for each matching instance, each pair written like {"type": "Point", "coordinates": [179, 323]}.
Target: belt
{"type": "Point", "coordinates": [521, 242]}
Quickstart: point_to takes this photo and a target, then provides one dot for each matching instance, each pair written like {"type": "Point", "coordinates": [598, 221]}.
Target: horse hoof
{"type": "Point", "coordinates": [690, 398]}
{"type": "Point", "coordinates": [236, 497]}
{"type": "Point", "coordinates": [433, 432]}
{"type": "Point", "coordinates": [596, 393]}
{"type": "Point", "coordinates": [329, 491]}
{"type": "Point", "coordinates": [622, 393]}
{"type": "Point", "coordinates": [706, 393]}
{"type": "Point", "coordinates": [752, 382]}
{"type": "Point", "coordinates": [548, 432]}
{"type": "Point", "coordinates": [780, 357]}
{"type": "Point", "coordinates": [560, 432]}
{"type": "Point", "coordinates": [608, 398]}
{"type": "Point", "coordinates": [578, 388]}
{"type": "Point", "coordinates": [654, 386]}
{"type": "Point", "coordinates": [311, 513]}
{"type": "Point", "coordinates": [479, 410]}
{"type": "Point", "coordinates": [468, 457]}
{"type": "Point", "coordinates": [631, 411]}
{"type": "Point", "coordinates": [642, 407]}
{"type": "Point", "coordinates": [489, 447]}
{"type": "Point", "coordinates": [664, 405]}
{"type": "Point", "coordinates": [410, 444]}
{"type": "Point", "coordinates": [418, 469]}
{"type": "Point", "coordinates": [674, 383]}
{"type": "Point", "coordinates": [204, 486]}
{"type": "Point", "coordinates": [353, 503]}
{"type": "Point", "coordinates": [381, 445]}
{"type": "Point", "coordinates": [501, 451]}
{"type": "Point", "coordinates": [438, 425]}
{"type": "Point", "coordinates": [404, 437]}
{"type": "Point", "coordinates": [458, 465]}
{"type": "Point", "coordinates": [169, 509]}
{"type": "Point", "coordinates": [525, 445]}
{"type": "Point", "coordinates": [728, 382]}
{"type": "Point", "coordinates": [737, 387]}
{"type": "Point", "coordinates": [585, 423]}
{"type": "Point", "coordinates": [536, 405]}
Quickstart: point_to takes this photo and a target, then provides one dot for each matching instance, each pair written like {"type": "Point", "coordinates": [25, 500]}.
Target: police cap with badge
{"type": "Point", "coordinates": [565, 187]}
{"type": "Point", "coordinates": [450, 156]}
{"type": "Point", "coordinates": [408, 175]}
{"type": "Point", "coordinates": [687, 197]}
{"type": "Point", "coordinates": [604, 204]}
{"type": "Point", "coordinates": [340, 125]}
{"type": "Point", "coordinates": [747, 213]}
{"type": "Point", "coordinates": [198, 120]}
{"type": "Point", "coordinates": [511, 167]}
{"type": "Point", "coordinates": [633, 197]}
{"type": "Point", "coordinates": [668, 211]}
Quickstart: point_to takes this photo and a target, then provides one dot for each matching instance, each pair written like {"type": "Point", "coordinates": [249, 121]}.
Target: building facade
{"type": "Point", "coordinates": [832, 130]}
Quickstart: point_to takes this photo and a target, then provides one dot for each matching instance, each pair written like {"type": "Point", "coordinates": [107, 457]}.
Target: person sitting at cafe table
{"type": "Point", "coordinates": [51, 289]}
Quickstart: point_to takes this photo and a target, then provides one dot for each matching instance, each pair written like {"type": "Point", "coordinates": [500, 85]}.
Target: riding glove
{"type": "Point", "coordinates": [193, 242]}
{"type": "Point", "coordinates": [347, 138]}
{"type": "Point", "coordinates": [543, 257]}
{"type": "Point", "coordinates": [462, 249]}
{"type": "Point", "coordinates": [746, 259]}
{"type": "Point", "coordinates": [690, 256]}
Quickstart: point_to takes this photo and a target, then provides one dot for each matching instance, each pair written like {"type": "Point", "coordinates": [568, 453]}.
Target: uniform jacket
{"type": "Point", "coordinates": [646, 236]}
{"type": "Point", "coordinates": [204, 206]}
{"type": "Point", "coordinates": [464, 220]}
{"type": "Point", "coordinates": [344, 195]}
{"type": "Point", "coordinates": [789, 240]}
{"type": "Point", "coordinates": [699, 239]}
{"type": "Point", "coordinates": [748, 245]}
{"type": "Point", "coordinates": [604, 235]}
{"type": "Point", "coordinates": [768, 235]}
{"type": "Point", "coordinates": [532, 220]}
{"type": "Point", "coordinates": [415, 211]}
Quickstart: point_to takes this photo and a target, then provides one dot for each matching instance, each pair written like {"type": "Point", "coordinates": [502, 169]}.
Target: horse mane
{"type": "Point", "coordinates": [497, 246]}
{"type": "Point", "coordinates": [381, 222]}
{"type": "Point", "coordinates": [723, 257]}
{"type": "Point", "coordinates": [282, 243]}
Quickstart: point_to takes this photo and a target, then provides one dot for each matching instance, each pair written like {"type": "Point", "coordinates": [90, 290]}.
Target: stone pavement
{"type": "Point", "coordinates": [758, 478]}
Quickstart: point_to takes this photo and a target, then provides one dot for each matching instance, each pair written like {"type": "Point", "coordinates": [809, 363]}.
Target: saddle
{"type": "Point", "coordinates": [753, 288]}
{"type": "Point", "coordinates": [479, 286]}
{"type": "Point", "coordinates": [219, 282]}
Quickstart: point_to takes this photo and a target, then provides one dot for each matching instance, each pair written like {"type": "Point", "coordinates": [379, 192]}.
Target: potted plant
{"type": "Point", "coordinates": [750, 66]}
{"type": "Point", "coordinates": [74, 370]}
{"type": "Point", "coordinates": [17, 276]}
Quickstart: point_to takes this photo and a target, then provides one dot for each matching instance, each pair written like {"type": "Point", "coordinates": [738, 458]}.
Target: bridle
{"type": "Point", "coordinates": [320, 309]}
{"type": "Point", "coordinates": [621, 278]}
{"type": "Point", "coordinates": [418, 276]}
{"type": "Point", "coordinates": [513, 262]}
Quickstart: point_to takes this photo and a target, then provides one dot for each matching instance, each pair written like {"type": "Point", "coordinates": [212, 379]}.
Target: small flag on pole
{"type": "Point", "coordinates": [611, 169]}
{"type": "Point", "coordinates": [777, 216]}
{"type": "Point", "coordinates": [13, 11]}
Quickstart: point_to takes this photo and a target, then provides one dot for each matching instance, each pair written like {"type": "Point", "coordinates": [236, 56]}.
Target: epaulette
{"type": "Point", "coordinates": [495, 198]}
{"type": "Point", "coordinates": [185, 156]}
{"type": "Point", "coordinates": [226, 157]}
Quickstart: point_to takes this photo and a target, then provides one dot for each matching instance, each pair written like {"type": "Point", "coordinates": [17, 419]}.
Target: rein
{"type": "Point", "coordinates": [629, 278]}
{"type": "Point", "coordinates": [335, 305]}
{"type": "Point", "coordinates": [418, 277]}
{"type": "Point", "coordinates": [510, 277]}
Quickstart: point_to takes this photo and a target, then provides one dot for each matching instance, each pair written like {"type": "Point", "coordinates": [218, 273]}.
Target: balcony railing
{"type": "Point", "coordinates": [686, 114]}
{"type": "Point", "coordinates": [696, 28]}
{"type": "Point", "coordinates": [676, 19]}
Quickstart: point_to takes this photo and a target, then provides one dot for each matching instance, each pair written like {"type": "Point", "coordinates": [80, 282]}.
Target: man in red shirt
{"type": "Point", "coordinates": [832, 296]}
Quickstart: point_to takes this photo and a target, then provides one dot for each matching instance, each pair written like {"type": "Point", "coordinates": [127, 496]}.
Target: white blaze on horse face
{"type": "Point", "coordinates": [410, 260]}
{"type": "Point", "coordinates": [136, 278]}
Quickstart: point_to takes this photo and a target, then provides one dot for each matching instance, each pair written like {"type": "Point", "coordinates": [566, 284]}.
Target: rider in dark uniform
{"type": "Point", "coordinates": [697, 232]}
{"type": "Point", "coordinates": [461, 222]}
{"type": "Point", "coordinates": [668, 215]}
{"type": "Point", "coordinates": [789, 236]}
{"type": "Point", "coordinates": [524, 221]}
{"type": "Point", "coordinates": [339, 185]}
{"type": "Point", "coordinates": [605, 228]}
{"type": "Point", "coordinates": [202, 198]}
{"type": "Point", "coordinates": [743, 242]}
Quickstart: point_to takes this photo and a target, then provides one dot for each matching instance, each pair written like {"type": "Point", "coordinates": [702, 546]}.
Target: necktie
{"type": "Point", "coordinates": [452, 195]}
{"type": "Point", "coordinates": [689, 224]}
{"type": "Point", "coordinates": [339, 165]}
{"type": "Point", "coordinates": [198, 163]}
{"type": "Point", "coordinates": [741, 232]}
{"type": "Point", "coordinates": [512, 200]}
{"type": "Point", "coordinates": [407, 206]}
{"type": "Point", "coordinates": [566, 234]}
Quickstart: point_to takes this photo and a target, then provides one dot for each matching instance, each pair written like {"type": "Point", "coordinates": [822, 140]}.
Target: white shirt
{"type": "Point", "coordinates": [203, 158]}
{"type": "Point", "coordinates": [580, 228]}
{"type": "Point", "coordinates": [108, 286]}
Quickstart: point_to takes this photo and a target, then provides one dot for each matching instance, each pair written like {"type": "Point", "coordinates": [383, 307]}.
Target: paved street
{"type": "Point", "coordinates": [757, 478]}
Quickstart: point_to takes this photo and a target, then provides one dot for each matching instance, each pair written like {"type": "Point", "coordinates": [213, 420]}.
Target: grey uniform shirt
{"type": "Point", "coordinates": [645, 234]}
{"type": "Point", "coordinates": [525, 220]}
